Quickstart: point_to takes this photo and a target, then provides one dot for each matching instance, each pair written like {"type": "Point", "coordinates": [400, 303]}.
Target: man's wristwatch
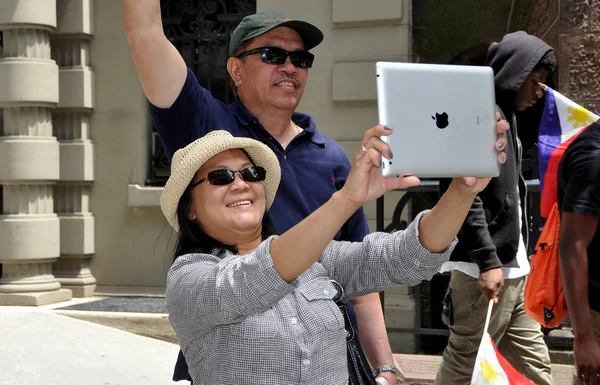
{"type": "Point", "coordinates": [384, 368]}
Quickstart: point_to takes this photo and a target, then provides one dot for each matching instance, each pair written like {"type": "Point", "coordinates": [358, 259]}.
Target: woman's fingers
{"type": "Point", "coordinates": [382, 147]}
{"type": "Point", "coordinates": [372, 142]}
{"type": "Point", "coordinates": [373, 157]}
{"type": "Point", "coordinates": [373, 147]}
{"type": "Point", "coordinates": [501, 127]}
{"type": "Point", "coordinates": [376, 132]}
{"type": "Point", "coordinates": [501, 157]}
{"type": "Point", "coordinates": [402, 183]}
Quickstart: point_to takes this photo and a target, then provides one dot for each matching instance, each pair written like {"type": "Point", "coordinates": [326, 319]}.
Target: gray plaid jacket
{"type": "Point", "coordinates": [239, 323]}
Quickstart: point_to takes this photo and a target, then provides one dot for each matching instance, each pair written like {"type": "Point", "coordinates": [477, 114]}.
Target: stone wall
{"type": "Point", "coordinates": [544, 20]}
{"type": "Point", "coordinates": [573, 28]}
{"type": "Point", "coordinates": [579, 52]}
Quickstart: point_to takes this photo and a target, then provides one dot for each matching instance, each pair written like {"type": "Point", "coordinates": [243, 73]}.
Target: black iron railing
{"type": "Point", "coordinates": [200, 30]}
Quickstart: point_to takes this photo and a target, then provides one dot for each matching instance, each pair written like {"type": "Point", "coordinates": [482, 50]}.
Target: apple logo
{"type": "Point", "coordinates": [441, 120]}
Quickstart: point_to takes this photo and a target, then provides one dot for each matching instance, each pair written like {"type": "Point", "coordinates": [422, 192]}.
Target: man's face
{"type": "Point", "coordinates": [531, 91]}
{"type": "Point", "coordinates": [279, 86]}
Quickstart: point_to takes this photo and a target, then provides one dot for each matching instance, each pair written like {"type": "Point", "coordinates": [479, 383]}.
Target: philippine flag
{"type": "Point", "coordinates": [492, 368]}
{"type": "Point", "coordinates": [562, 121]}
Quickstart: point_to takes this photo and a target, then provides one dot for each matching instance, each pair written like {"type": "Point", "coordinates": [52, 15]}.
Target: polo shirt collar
{"type": "Point", "coordinates": [305, 121]}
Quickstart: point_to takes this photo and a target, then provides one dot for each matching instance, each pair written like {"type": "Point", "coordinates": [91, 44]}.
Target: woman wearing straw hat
{"type": "Point", "coordinates": [251, 307]}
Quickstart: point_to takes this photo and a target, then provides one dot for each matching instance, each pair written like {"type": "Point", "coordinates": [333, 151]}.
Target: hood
{"type": "Point", "coordinates": [512, 60]}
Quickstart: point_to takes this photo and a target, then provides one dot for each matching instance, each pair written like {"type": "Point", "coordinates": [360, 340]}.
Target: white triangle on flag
{"type": "Point", "coordinates": [572, 116]}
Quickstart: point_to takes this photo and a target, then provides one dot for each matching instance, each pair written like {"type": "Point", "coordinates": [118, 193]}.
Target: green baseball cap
{"type": "Point", "coordinates": [257, 24]}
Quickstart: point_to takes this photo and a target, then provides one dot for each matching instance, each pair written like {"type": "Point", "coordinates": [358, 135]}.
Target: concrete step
{"type": "Point", "coordinates": [417, 369]}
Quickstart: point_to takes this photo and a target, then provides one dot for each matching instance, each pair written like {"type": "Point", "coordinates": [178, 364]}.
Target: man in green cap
{"type": "Point", "coordinates": [268, 65]}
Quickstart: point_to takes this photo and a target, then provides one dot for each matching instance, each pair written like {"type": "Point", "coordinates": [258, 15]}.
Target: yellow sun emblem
{"type": "Point", "coordinates": [486, 370]}
{"type": "Point", "coordinates": [579, 117]}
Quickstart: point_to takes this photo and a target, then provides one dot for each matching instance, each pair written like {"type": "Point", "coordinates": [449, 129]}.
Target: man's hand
{"type": "Point", "coordinates": [491, 283]}
{"type": "Point", "coordinates": [587, 359]}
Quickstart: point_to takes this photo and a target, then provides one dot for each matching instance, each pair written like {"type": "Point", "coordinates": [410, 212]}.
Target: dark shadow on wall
{"type": "Point", "coordinates": [442, 29]}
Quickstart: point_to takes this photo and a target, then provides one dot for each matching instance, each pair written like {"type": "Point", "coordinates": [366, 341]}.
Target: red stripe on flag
{"type": "Point", "coordinates": [514, 377]}
{"type": "Point", "coordinates": [550, 193]}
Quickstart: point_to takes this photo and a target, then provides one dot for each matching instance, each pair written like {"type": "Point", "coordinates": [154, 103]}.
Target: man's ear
{"type": "Point", "coordinates": [234, 67]}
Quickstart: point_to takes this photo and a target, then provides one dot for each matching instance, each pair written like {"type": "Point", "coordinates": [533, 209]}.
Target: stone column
{"type": "Point", "coordinates": [29, 155]}
{"type": "Point", "coordinates": [71, 120]}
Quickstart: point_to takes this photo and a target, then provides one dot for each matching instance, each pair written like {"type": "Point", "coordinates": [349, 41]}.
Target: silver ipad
{"type": "Point", "coordinates": [443, 116]}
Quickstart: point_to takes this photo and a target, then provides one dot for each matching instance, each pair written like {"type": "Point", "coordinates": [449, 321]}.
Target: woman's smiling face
{"type": "Point", "coordinates": [228, 211]}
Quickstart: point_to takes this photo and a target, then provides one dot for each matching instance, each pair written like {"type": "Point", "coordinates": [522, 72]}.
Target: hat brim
{"type": "Point", "coordinates": [311, 36]}
{"type": "Point", "coordinates": [189, 159]}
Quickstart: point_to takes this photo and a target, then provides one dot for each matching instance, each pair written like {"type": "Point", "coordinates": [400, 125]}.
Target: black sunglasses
{"type": "Point", "coordinates": [223, 177]}
{"type": "Point", "coordinates": [278, 56]}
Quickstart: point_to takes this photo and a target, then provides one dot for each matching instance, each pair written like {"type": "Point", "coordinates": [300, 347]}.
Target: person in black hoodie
{"type": "Point", "coordinates": [490, 260]}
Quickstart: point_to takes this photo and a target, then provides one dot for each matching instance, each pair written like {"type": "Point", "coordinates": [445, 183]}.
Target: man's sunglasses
{"type": "Point", "coordinates": [278, 56]}
{"type": "Point", "coordinates": [223, 177]}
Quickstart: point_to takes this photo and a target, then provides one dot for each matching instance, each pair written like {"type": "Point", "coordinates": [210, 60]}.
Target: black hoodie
{"type": "Point", "coordinates": [490, 233]}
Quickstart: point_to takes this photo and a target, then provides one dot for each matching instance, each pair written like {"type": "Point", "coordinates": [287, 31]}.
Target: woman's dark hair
{"type": "Point", "coordinates": [192, 239]}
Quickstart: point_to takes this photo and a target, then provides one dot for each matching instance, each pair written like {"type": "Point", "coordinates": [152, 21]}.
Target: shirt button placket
{"type": "Point", "coordinates": [305, 368]}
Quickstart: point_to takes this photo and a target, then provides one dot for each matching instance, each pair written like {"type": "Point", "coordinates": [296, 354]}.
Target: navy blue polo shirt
{"type": "Point", "coordinates": [313, 166]}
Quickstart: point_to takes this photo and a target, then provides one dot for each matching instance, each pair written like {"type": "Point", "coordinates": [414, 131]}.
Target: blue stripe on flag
{"type": "Point", "coordinates": [549, 136]}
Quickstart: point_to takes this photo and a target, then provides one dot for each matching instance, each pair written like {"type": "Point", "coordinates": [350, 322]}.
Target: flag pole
{"type": "Point", "coordinates": [543, 86]}
{"type": "Point", "coordinates": [489, 315]}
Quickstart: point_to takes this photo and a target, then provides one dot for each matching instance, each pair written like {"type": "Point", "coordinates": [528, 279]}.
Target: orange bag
{"type": "Point", "coordinates": [544, 296]}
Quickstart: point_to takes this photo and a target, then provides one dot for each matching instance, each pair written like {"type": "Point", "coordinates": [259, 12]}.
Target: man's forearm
{"type": "Point", "coordinates": [574, 273]}
{"type": "Point", "coordinates": [141, 16]}
{"type": "Point", "coordinates": [160, 67]}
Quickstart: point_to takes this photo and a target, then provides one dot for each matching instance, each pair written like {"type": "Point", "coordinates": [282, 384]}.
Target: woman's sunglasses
{"type": "Point", "coordinates": [223, 177]}
{"type": "Point", "coordinates": [278, 56]}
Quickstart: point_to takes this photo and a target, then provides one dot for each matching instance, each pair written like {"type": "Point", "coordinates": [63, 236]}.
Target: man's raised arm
{"type": "Point", "coordinates": [160, 67]}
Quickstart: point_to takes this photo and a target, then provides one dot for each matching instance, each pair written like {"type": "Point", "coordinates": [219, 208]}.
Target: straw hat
{"type": "Point", "coordinates": [189, 159]}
